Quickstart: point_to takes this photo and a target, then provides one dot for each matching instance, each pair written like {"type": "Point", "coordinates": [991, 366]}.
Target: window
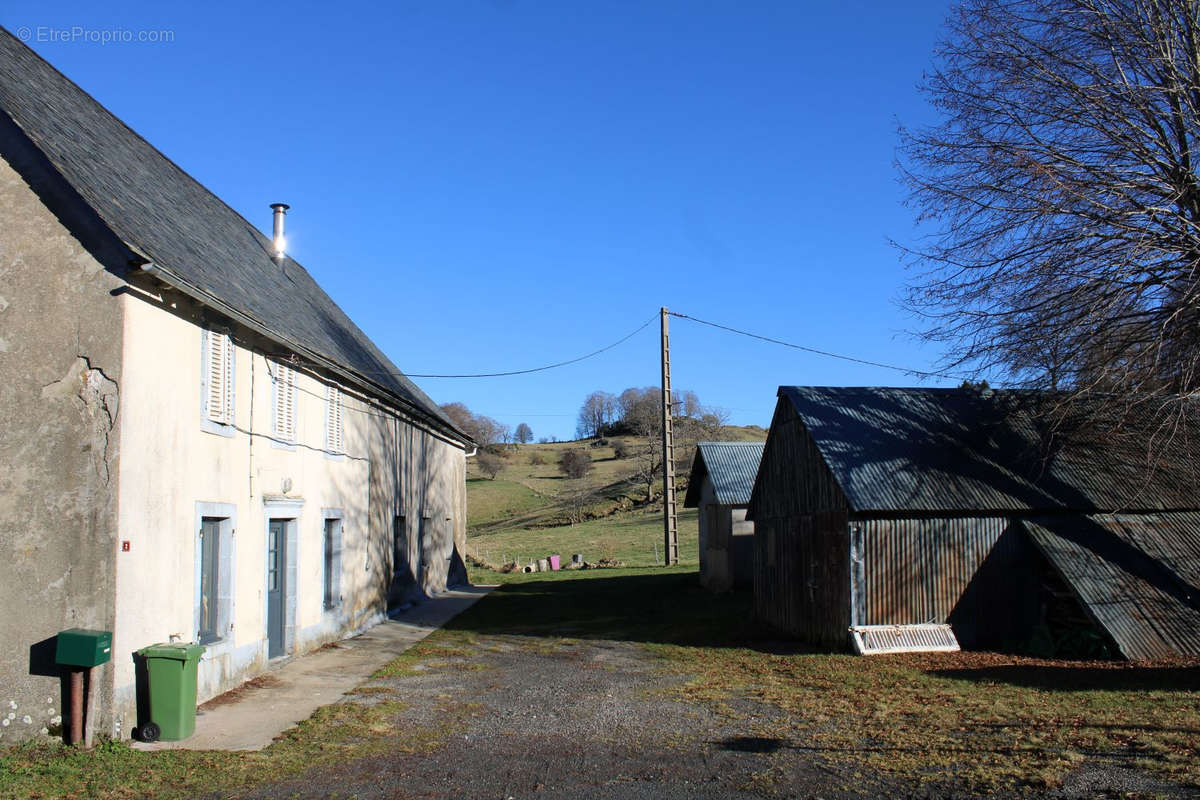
{"type": "Point", "coordinates": [332, 562]}
{"type": "Point", "coordinates": [217, 379]}
{"type": "Point", "coordinates": [210, 549]}
{"type": "Point", "coordinates": [283, 397]}
{"type": "Point", "coordinates": [213, 593]}
{"type": "Point", "coordinates": [334, 435]}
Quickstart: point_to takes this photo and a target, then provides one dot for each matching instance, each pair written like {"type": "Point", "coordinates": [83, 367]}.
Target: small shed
{"type": "Point", "coordinates": [720, 484]}
{"type": "Point", "coordinates": [911, 507]}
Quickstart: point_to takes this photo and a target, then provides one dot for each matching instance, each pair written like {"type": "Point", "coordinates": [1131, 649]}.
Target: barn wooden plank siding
{"type": "Point", "coordinates": [801, 541]}
{"type": "Point", "coordinates": [917, 506]}
{"type": "Point", "coordinates": [801, 567]}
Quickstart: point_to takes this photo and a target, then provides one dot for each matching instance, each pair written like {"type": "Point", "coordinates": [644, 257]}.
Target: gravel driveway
{"type": "Point", "coordinates": [575, 689]}
{"type": "Point", "coordinates": [530, 718]}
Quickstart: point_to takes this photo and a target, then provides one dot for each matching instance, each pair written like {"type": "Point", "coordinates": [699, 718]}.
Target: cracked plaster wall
{"type": "Point", "coordinates": [60, 367]}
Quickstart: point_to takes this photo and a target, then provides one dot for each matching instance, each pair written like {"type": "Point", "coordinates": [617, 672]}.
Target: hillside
{"type": "Point", "coordinates": [527, 510]}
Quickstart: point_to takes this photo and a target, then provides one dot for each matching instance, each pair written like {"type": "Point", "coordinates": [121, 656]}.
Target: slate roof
{"type": "Point", "coordinates": [960, 450]}
{"type": "Point", "coordinates": [1136, 575]}
{"type": "Point", "coordinates": [732, 468]}
{"type": "Point", "coordinates": [197, 242]}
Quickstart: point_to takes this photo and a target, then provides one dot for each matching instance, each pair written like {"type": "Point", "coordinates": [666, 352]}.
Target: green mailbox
{"type": "Point", "coordinates": [79, 647]}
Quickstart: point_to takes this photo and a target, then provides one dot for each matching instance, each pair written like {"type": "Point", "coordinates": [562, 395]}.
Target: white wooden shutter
{"type": "Point", "coordinates": [334, 438]}
{"type": "Point", "coordinates": [925, 638]}
{"type": "Point", "coordinates": [285, 402]}
{"type": "Point", "coordinates": [218, 374]}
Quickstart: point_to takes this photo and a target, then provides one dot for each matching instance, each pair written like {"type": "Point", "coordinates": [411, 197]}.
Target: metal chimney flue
{"type": "Point", "coordinates": [280, 210]}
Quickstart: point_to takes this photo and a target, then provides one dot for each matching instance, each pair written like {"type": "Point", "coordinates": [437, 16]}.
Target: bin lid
{"type": "Point", "coordinates": [179, 651]}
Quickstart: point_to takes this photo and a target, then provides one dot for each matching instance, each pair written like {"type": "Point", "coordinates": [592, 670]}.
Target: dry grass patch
{"type": "Point", "coordinates": [113, 770]}
{"type": "Point", "coordinates": [994, 721]}
{"type": "Point", "coordinates": [440, 648]}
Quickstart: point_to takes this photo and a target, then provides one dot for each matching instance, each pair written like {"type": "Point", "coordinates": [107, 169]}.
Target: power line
{"type": "Point", "coordinates": [815, 351]}
{"type": "Point", "coordinates": [592, 354]}
{"type": "Point", "coordinates": [678, 315]}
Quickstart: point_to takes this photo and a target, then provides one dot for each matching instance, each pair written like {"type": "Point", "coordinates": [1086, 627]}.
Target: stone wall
{"type": "Point", "coordinates": [60, 396]}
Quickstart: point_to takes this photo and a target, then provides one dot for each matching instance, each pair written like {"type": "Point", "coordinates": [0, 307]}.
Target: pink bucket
{"type": "Point", "coordinates": [555, 563]}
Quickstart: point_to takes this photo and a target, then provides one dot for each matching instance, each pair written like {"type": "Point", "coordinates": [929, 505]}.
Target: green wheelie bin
{"type": "Point", "coordinates": [171, 671]}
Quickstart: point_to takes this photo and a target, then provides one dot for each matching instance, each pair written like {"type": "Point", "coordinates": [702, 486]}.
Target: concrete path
{"type": "Point", "coordinates": [251, 716]}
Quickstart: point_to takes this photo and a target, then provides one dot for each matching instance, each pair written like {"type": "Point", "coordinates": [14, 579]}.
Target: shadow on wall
{"type": "Point", "coordinates": [42, 663]}
{"type": "Point", "coordinates": [999, 605]}
{"type": "Point", "coordinates": [457, 574]}
{"type": "Point", "coordinates": [141, 682]}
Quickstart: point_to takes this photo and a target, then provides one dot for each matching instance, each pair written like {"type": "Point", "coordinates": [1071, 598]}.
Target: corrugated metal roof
{"type": "Point", "coordinates": [197, 240]}
{"type": "Point", "coordinates": [1137, 575]}
{"type": "Point", "coordinates": [899, 449]}
{"type": "Point", "coordinates": [732, 468]}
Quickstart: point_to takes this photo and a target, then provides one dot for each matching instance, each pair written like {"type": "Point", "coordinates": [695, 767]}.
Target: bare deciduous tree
{"type": "Point", "coordinates": [647, 462]}
{"type": "Point", "coordinates": [641, 411]}
{"type": "Point", "coordinates": [705, 424]}
{"type": "Point", "coordinates": [484, 430]}
{"type": "Point", "coordinates": [576, 500]}
{"type": "Point", "coordinates": [1061, 197]}
{"type": "Point", "coordinates": [596, 414]}
{"type": "Point", "coordinates": [458, 413]}
{"type": "Point", "coordinates": [524, 434]}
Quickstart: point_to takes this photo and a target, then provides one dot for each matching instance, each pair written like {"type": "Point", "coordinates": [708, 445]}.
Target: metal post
{"type": "Point", "coordinates": [670, 515]}
{"type": "Point", "coordinates": [75, 731]}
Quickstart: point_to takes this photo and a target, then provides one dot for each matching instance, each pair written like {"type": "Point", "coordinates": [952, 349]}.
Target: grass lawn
{"type": "Point", "coordinates": [630, 537]}
{"type": "Point", "coordinates": [498, 500]}
{"type": "Point", "coordinates": [115, 770]}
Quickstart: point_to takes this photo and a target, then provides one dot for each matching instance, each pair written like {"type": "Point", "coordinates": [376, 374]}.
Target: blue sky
{"type": "Point", "coordinates": [486, 186]}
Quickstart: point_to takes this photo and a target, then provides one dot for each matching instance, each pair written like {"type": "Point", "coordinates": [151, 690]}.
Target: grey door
{"type": "Point", "coordinates": [276, 592]}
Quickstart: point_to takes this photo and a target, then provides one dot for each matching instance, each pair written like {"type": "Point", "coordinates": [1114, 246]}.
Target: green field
{"type": "Point", "coordinates": [492, 502]}
{"type": "Point", "coordinates": [630, 538]}
{"type": "Point", "coordinates": [525, 512]}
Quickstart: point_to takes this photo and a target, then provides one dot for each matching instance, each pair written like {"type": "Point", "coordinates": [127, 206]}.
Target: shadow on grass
{"type": "Point", "coordinates": [657, 606]}
{"type": "Point", "coordinates": [1082, 678]}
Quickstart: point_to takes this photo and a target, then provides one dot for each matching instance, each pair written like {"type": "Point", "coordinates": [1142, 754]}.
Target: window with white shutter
{"type": "Point", "coordinates": [284, 402]}
{"type": "Point", "coordinates": [218, 378]}
{"type": "Point", "coordinates": [334, 437]}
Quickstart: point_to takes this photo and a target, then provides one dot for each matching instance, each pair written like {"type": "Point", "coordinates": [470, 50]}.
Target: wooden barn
{"type": "Point", "coordinates": [721, 480]}
{"type": "Point", "coordinates": [924, 507]}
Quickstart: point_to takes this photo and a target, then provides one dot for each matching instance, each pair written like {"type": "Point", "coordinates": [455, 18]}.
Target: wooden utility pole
{"type": "Point", "coordinates": [670, 515]}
